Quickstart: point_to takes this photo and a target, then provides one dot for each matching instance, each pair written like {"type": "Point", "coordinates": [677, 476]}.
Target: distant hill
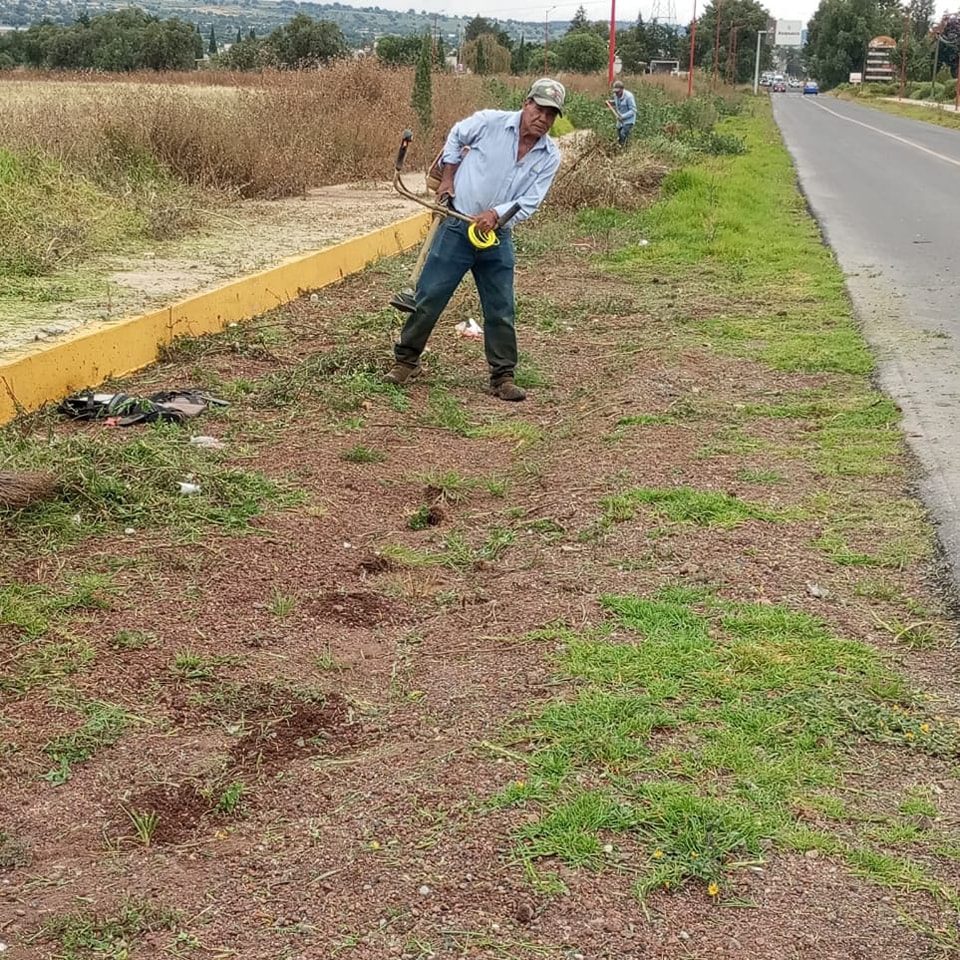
{"type": "Point", "coordinates": [360, 25]}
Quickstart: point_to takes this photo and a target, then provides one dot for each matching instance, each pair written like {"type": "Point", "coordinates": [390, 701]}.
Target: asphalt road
{"type": "Point", "coordinates": [887, 194]}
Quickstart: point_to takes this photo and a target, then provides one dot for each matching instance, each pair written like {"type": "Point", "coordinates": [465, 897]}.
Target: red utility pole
{"type": "Point", "coordinates": [693, 40]}
{"type": "Point", "coordinates": [613, 41]}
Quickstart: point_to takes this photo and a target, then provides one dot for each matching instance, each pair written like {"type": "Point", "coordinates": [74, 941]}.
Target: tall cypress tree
{"type": "Point", "coordinates": [212, 45]}
{"type": "Point", "coordinates": [422, 99]}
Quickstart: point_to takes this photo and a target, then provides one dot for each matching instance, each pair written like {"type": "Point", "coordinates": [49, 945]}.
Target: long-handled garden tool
{"type": "Point", "coordinates": [405, 299]}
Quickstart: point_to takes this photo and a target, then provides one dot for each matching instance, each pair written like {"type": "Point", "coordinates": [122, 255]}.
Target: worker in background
{"type": "Point", "coordinates": [491, 161]}
{"type": "Point", "coordinates": [625, 106]}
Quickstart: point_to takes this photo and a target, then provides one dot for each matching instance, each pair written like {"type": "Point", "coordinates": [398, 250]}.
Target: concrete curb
{"type": "Point", "coordinates": [32, 378]}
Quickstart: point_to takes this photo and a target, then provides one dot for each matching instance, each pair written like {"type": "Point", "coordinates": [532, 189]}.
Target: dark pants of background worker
{"type": "Point", "coordinates": [623, 133]}
{"type": "Point", "coordinates": [451, 256]}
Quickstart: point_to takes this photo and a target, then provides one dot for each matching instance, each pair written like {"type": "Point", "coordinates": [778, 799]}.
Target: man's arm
{"type": "Point", "coordinates": [630, 114]}
{"type": "Point", "coordinates": [462, 134]}
{"type": "Point", "coordinates": [446, 180]}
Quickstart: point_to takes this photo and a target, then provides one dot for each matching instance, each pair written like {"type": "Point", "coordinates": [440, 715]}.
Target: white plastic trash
{"type": "Point", "coordinates": [208, 443]}
{"type": "Point", "coordinates": [188, 488]}
{"type": "Point", "coordinates": [470, 329]}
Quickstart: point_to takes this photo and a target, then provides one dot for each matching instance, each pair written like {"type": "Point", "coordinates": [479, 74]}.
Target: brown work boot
{"type": "Point", "coordinates": [402, 373]}
{"type": "Point", "coordinates": [506, 389]}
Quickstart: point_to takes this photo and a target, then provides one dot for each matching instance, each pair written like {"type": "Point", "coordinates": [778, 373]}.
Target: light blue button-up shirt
{"type": "Point", "coordinates": [626, 107]}
{"type": "Point", "coordinates": [490, 177]}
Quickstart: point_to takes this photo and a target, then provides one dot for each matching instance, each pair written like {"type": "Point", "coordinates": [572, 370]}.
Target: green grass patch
{"type": "Point", "coordinates": [855, 433]}
{"type": "Point", "coordinates": [109, 935]}
{"type": "Point", "coordinates": [362, 454]}
{"type": "Point", "coordinates": [33, 609]}
{"type": "Point", "coordinates": [103, 726]}
{"type": "Point", "coordinates": [703, 508]}
{"type": "Point", "coordinates": [454, 551]}
{"type": "Point", "coordinates": [50, 217]}
{"type": "Point", "coordinates": [114, 481]}
{"type": "Point", "coordinates": [735, 232]}
{"type": "Point", "coordinates": [705, 720]}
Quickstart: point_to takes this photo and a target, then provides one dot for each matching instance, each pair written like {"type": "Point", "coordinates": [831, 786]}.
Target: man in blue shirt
{"type": "Point", "coordinates": [491, 161]}
{"type": "Point", "coordinates": [625, 106]}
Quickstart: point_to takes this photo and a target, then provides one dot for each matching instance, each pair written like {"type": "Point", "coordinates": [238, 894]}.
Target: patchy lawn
{"type": "Point", "coordinates": [653, 664]}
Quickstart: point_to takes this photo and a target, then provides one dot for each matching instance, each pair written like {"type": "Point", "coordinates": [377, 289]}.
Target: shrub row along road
{"type": "Point", "coordinates": [887, 193]}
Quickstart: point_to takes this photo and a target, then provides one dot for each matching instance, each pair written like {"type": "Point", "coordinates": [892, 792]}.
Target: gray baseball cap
{"type": "Point", "coordinates": [548, 93]}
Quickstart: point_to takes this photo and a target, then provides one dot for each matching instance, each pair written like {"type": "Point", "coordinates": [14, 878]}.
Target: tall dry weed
{"type": "Point", "coordinates": [289, 132]}
{"type": "Point", "coordinates": [600, 174]}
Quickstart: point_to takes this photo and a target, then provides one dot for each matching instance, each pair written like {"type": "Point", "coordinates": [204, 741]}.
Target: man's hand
{"type": "Point", "coordinates": [486, 222]}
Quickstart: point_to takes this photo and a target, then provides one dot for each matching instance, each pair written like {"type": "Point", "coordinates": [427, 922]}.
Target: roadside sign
{"type": "Point", "coordinates": [789, 33]}
{"type": "Point", "coordinates": [856, 78]}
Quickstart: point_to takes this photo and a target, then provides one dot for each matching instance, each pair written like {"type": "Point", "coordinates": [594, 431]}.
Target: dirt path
{"type": "Point", "coordinates": [239, 239]}
{"type": "Point", "coordinates": [588, 676]}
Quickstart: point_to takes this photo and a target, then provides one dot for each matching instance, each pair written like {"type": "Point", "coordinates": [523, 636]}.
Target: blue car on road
{"type": "Point", "coordinates": [810, 87]}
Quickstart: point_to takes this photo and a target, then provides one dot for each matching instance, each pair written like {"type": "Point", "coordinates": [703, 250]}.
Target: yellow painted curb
{"type": "Point", "coordinates": [89, 356]}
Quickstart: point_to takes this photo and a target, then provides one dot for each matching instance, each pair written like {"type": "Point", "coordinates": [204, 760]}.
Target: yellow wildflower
{"type": "Point", "coordinates": [374, 844]}
{"type": "Point", "coordinates": [713, 889]}
{"type": "Point", "coordinates": [520, 784]}
{"type": "Point", "coordinates": [694, 855]}
{"type": "Point", "coordinates": [924, 727]}
{"type": "Point", "coordinates": [909, 735]}
{"type": "Point", "coordinates": [657, 854]}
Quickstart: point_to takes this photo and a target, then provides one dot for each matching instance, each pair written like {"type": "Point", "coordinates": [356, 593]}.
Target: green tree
{"type": "Point", "coordinates": [921, 18]}
{"type": "Point", "coordinates": [579, 23]}
{"type": "Point", "coordinates": [582, 52]}
{"type": "Point", "coordinates": [520, 57]}
{"type": "Point", "coordinates": [239, 36]}
{"type": "Point", "coordinates": [398, 51]}
{"type": "Point", "coordinates": [480, 60]}
{"type": "Point", "coordinates": [838, 34]}
{"type": "Point", "coordinates": [305, 41]}
{"type": "Point", "coordinates": [477, 26]}
{"type": "Point", "coordinates": [248, 54]}
{"type": "Point", "coordinates": [422, 97]}
{"type": "Point", "coordinates": [748, 16]}
{"type": "Point", "coordinates": [480, 26]}
{"type": "Point", "coordinates": [212, 42]}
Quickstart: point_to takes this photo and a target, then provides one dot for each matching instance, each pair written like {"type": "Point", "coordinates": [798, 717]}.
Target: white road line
{"type": "Point", "coordinates": [885, 133]}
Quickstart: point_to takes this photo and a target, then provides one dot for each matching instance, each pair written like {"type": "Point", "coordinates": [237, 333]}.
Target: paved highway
{"type": "Point", "coordinates": [886, 191]}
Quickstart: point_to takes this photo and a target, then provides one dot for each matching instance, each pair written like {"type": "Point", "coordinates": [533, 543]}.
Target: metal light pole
{"type": "Point", "coordinates": [693, 40]}
{"type": "Point", "coordinates": [546, 32]}
{"type": "Point", "coordinates": [756, 64]}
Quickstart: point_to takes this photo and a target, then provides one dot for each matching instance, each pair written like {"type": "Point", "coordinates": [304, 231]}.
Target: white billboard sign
{"type": "Point", "coordinates": [789, 33]}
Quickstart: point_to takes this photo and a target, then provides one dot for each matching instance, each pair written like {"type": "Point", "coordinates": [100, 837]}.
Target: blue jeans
{"type": "Point", "coordinates": [451, 256]}
{"type": "Point", "coordinates": [623, 133]}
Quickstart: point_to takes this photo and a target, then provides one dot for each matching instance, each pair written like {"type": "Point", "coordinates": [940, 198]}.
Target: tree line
{"type": "Point", "coordinates": [134, 40]}
{"type": "Point", "coordinates": [839, 31]}
{"type": "Point", "coordinates": [487, 48]}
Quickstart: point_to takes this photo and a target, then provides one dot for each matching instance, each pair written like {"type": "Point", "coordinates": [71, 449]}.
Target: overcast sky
{"type": "Point", "coordinates": [682, 10]}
